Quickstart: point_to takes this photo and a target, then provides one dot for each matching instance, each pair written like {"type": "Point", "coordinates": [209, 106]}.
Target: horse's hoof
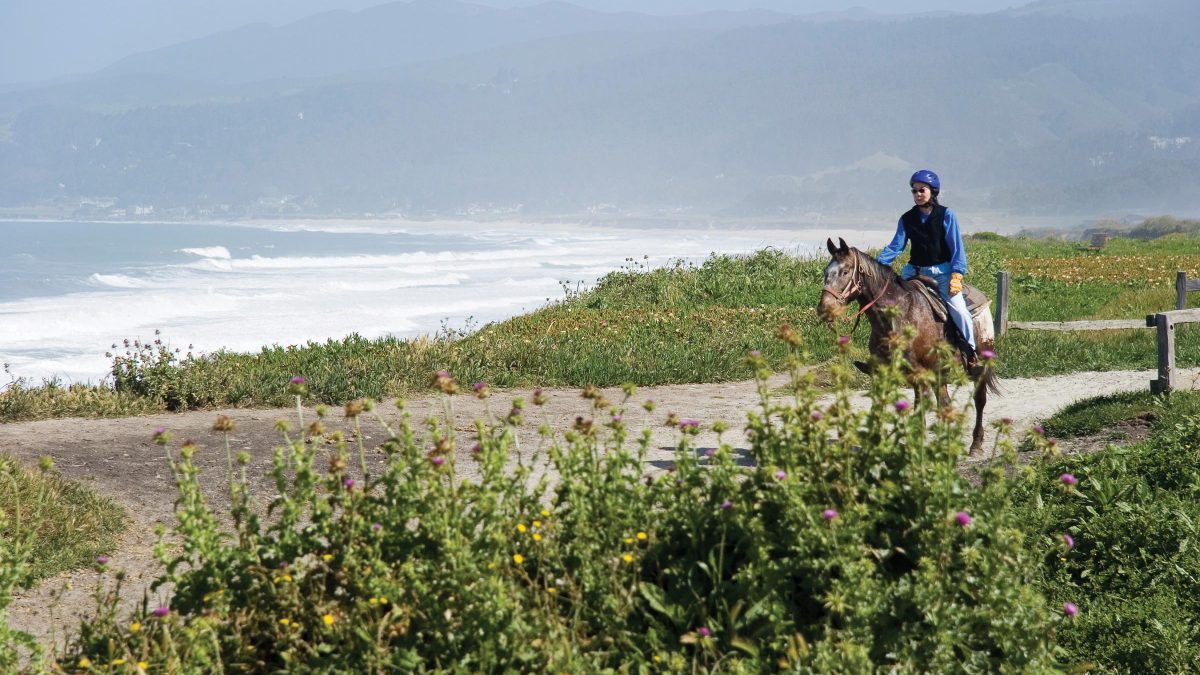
{"type": "Point", "coordinates": [976, 452]}
{"type": "Point", "coordinates": [863, 367]}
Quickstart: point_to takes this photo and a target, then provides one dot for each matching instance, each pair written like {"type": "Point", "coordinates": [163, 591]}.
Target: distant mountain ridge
{"type": "Point", "coordinates": [396, 34]}
{"type": "Point", "coordinates": [1049, 109]}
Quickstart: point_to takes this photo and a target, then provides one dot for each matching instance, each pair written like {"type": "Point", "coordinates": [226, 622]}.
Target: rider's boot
{"type": "Point", "coordinates": [974, 366]}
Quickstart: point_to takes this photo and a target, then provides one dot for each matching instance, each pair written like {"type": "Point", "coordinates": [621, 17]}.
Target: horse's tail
{"type": "Point", "coordinates": [988, 379]}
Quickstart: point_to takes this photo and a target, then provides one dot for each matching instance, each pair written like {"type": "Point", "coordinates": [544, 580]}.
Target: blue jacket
{"type": "Point", "coordinates": [958, 253]}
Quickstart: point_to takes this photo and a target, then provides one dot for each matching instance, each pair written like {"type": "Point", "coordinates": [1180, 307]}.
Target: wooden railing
{"type": "Point", "coordinates": [1164, 322]}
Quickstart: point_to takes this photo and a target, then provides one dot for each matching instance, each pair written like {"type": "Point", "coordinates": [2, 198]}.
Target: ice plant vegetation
{"type": "Point", "coordinates": [631, 560]}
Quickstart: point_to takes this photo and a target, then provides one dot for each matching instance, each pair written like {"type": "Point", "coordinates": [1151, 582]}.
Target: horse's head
{"type": "Point", "coordinates": [843, 280]}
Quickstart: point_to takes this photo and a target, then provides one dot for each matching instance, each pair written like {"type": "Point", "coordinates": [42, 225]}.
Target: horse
{"type": "Point", "coordinates": [853, 276]}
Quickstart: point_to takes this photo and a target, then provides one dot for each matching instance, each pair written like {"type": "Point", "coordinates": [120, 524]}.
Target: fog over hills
{"type": "Point", "coordinates": [435, 107]}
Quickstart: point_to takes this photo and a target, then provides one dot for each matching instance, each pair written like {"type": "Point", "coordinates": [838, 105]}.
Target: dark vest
{"type": "Point", "coordinates": [928, 238]}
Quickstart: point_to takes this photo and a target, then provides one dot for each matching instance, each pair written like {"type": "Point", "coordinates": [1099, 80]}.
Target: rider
{"type": "Point", "coordinates": [937, 251]}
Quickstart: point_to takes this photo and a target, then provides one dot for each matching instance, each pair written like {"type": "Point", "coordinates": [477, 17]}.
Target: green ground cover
{"type": "Point", "coordinates": [1131, 566]}
{"type": "Point", "coordinates": [56, 524]}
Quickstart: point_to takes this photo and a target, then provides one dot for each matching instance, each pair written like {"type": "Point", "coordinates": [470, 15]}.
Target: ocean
{"type": "Point", "coordinates": [70, 291]}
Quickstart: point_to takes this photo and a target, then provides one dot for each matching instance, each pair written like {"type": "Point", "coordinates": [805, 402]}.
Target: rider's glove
{"type": "Point", "coordinates": [955, 283]}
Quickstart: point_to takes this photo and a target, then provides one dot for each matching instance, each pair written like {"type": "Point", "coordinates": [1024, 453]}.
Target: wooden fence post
{"type": "Point", "coordinates": [1181, 290]}
{"type": "Point", "coordinates": [1166, 355]}
{"type": "Point", "coordinates": [1002, 279]}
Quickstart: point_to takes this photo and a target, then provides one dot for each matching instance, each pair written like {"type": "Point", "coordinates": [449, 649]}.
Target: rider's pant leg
{"type": "Point", "coordinates": [957, 305]}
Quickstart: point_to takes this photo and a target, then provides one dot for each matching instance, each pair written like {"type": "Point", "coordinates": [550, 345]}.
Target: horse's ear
{"type": "Point", "coordinates": [829, 245]}
{"type": "Point", "coordinates": [845, 249]}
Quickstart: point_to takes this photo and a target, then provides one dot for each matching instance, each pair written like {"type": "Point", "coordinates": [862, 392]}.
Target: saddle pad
{"type": "Point", "coordinates": [977, 302]}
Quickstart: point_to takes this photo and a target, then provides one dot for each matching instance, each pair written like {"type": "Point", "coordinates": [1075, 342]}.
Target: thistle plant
{"type": "Point", "coordinates": [846, 540]}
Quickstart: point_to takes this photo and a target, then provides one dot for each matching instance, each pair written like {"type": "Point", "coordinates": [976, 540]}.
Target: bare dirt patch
{"type": "Point", "coordinates": [118, 458]}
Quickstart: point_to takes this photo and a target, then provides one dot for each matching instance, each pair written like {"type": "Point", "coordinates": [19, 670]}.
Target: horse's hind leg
{"type": "Point", "coordinates": [980, 402]}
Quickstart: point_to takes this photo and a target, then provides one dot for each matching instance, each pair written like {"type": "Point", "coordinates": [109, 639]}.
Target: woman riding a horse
{"type": "Point", "coordinates": [937, 253]}
{"type": "Point", "coordinates": [890, 302]}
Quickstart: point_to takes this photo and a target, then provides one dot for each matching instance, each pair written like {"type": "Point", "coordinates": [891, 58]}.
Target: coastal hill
{"type": "Point", "coordinates": [1056, 107]}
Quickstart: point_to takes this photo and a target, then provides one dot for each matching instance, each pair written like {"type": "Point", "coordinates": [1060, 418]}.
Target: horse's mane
{"type": "Point", "coordinates": [877, 271]}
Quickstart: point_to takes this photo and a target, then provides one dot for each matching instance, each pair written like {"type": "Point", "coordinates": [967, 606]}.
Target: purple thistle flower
{"type": "Point", "coordinates": [710, 453]}
{"type": "Point", "coordinates": [726, 505]}
{"type": "Point", "coordinates": [829, 514]}
{"type": "Point", "coordinates": [902, 405]}
{"type": "Point", "coordinates": [1068, 479]}
{"type": "Point", "coordinates": [756, 353]}
{"type": "Point", "coordinates": [348, 483]}
{"type": "Point", "coordinates": [817, 416]}
{"type": "Point", "coordinates": [1068, 541]}
{"type": "Point", "coordinates": [1070, 609]}
{"type": "Point", "coordinates": [102, 559]}
{"type": "Point", "coordinates": [704, 631]}
{"type": "Point", "coordinates": [843, 340]}
{"type": "Point", "coordinates": [160, 612]}
{"type": "Point", "coordinates": [781, 475]}
{"type": "Point", "coordinates": [1039, 429]}
{"type": "Point", "coordinates": [987, 355]}
{"type": "Point", "coordinates": [298, 380]}
{"type": "Point", "coordinates": [476, 448]}
{"type": "Point", "coordinates": [375, 527]}
{"type": "Point", "coordinates": [689, 424]}
{"type": "Point", "coordinates": [962, 518]}
{"type": "Point", "coordinates": [437, 460]}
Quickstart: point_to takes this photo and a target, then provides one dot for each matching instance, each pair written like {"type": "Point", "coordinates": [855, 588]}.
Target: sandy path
{"type": "Point", "coordinates": [118, 458]}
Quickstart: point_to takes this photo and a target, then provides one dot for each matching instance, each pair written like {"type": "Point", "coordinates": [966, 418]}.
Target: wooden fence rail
{"type": "Point", "coordinates": [1164, 322]}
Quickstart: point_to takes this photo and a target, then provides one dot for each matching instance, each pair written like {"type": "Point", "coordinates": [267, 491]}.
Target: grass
{"type": "Point", "coordinates": [680, 323]}
{"type": "Point", "coordinates": [71, 524]}
{"type": "Point", "coordinates": [1132, 567]}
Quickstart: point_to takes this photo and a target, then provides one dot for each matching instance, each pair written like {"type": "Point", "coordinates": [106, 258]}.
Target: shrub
{"type": "Point", "coordinates": [1132, 567]}
{"type": "Point", "coordinates": [848, 541]}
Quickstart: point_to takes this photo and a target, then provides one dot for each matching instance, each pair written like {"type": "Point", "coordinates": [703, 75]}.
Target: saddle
{"type": "Point", "coordinates": [978, 305]}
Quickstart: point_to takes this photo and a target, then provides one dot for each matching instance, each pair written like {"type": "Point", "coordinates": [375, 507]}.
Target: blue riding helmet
{"type": "Point", "coordinates": [927, 177]}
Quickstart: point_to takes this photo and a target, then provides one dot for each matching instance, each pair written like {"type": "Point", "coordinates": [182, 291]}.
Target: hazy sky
{"type": "Point", "coordinates": [44, 39]}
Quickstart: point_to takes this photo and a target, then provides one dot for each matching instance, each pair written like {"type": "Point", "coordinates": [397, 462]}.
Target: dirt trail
{"type": "Point", "coordinates": [117, 457]}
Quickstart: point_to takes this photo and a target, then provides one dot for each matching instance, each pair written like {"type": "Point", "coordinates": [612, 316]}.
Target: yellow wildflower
{"type": "Point", "coordinates": [84, 662]}
{"type": "Point", "coordinates": [135, 627]}
{"type": "Point", "coordinates": [628, 540]}
{"type": "Point", "coordinates": [285, 621]}
{"type": "Point", "coordinates": [383, 600]}
{"type": "Point", "coordinates": [373, 601]}
{"type": "Point", "coordinates": [142, 665]}
{"type": "Point", "coordinates": [545, 513]}
{"type": "Point", "coordinates": [328, 619]}
{"type": "Point", "coordinates": [627, 558]}
{"type": "Point", "coordinates": [327, 557]}
{"type": "Point", "coordinates": [537, 537]}
{"type": "Point", "coordinates": [518, 558]}
{"type": "Point", "coordinates": [521, 528]}
{"type": "Point", "coordinates": [537, 523]}
{"type": "Point", "coordinates": [117, 662]}
{"type": "Point", "coordinates": [641, 536]}
{"type": "Point", "coordinates": [287, 577]}
{"type": "Point", "coordinates": [551, 590]}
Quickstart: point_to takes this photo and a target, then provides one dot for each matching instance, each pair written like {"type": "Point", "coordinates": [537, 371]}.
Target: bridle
{"type": "Point", "coordinates": [852, 289]}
